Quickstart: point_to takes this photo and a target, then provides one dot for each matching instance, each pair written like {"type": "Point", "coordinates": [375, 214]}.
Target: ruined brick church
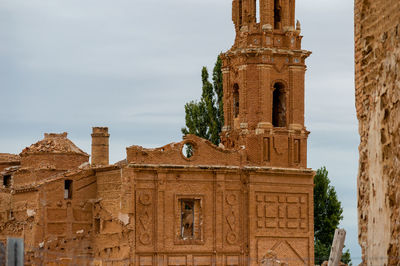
{"type": "Point", "coordinates": [226, 205]}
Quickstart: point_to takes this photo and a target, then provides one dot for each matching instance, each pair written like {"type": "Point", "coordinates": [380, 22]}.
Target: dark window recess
{"type": "Point", "coordinates": [97, 225]}
{"type": "Point", "coordinates": [279, 106]}
{"type": "Point", "coordinates": [7, 181]}
{"type": "Point", "coordinates": [240, 13]}
{"type": "Point", "coordinates": [68, 189]}
{"type": "Point", "coordinates": [236, 100]}
{"type": "Point", "coordinates": [277, 14]}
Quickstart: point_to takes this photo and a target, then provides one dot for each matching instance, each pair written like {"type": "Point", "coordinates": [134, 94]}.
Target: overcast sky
{"type": "Point", "coordinates": [131, 65]}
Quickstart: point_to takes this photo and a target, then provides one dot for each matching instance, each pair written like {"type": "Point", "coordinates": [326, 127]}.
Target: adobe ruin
{"type": "Point", "coordinates": [235, 204]}
{"type": "Point", "coordinates": [377, 58]}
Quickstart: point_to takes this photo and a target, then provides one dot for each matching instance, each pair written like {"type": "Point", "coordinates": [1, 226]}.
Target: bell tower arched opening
{"type": "Point", "coordinates": [257, 11]}
{"type": "Point", "coordinates": [279, 106]}
{"type": "Point", "coordinates": [236, 100]}
{"type": "Point", "coordinates": [240, 13]}
{"type": "Point", "coordinates": [277, 14]}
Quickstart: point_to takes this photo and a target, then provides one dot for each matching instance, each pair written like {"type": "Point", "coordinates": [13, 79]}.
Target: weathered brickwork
{"type": "Point", "coordinates": [8, 160]}
{"type": "Point", "coordinates": [248, 201]}
{"type": "Point", "coordinates": [263, 76]}
{"type": "Point", "coordinates": [377, 48]}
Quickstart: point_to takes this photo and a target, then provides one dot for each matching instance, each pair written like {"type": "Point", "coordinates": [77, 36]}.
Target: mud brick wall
{"type": "Point", "coordinates": [113, 216]}
{"type": "Point", "coordinates": [377, 52]}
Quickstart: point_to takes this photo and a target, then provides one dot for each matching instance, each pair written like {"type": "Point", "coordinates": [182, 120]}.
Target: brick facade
{"type": "Point", "coordinates": [227, 205]}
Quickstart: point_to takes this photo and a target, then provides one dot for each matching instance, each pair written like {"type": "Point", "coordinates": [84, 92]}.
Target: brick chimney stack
{"type": "Point", "coordinates": [100, 147]}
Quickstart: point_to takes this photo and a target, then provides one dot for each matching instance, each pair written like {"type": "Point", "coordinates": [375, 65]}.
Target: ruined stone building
{"type": "Point", "coordinates": [226, 205]}
{"type": "Point", "coordinates": [377, 48]}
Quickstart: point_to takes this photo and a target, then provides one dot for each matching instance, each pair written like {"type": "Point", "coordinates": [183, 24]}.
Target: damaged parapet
{"type": "Point", "coordinates": [55, 151]}
{"type": "Point", "coordinates": [100, 146]}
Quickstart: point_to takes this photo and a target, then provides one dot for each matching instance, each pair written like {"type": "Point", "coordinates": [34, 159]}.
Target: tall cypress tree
{"type": "Point", "coordinates": [205, 118]}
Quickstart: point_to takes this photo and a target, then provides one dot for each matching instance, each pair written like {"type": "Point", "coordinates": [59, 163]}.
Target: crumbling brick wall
{"type": "Point", "coordinates": [114, 239]}
{"type": "Point", "coordinates": [8, 160]}
{"type": "Point", "coordinates": [377, 51]}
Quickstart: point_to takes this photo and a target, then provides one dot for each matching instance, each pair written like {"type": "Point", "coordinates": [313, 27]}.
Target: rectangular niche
{"type": "Point", "coordinates": [267, 150]}
{"type": "Point", "coordinates": [188, 219]}
{"type": "Point", "coordinates": [296, 151]}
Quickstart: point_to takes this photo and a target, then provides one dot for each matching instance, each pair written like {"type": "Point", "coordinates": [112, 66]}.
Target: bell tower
{"type": "Point", "coordinates": [263, 75]}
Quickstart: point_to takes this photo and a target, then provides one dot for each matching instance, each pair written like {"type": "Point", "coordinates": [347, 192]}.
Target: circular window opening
{"type": "Point", "coordinates": [187, 150]}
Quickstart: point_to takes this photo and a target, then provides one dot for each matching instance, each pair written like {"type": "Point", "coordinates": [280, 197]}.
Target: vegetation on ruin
{"type": "Point", "coordinates": [327, 216]}
{"type": "Point", "coordinates": [205, 118]}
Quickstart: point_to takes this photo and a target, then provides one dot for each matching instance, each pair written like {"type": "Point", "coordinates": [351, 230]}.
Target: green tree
{"type": "Point", "coordinates": [327, 216]}
{"type": "Point", "coordinates": [205, 118]}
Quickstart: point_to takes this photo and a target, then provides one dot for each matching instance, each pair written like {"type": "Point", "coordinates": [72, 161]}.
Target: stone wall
{"type": "Point", "coordinates": [377, 52]}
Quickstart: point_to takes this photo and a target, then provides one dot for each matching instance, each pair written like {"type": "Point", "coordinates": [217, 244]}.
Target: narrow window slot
{"type": "Point", "coordinates": [296, 151]}
{"type": "Point", "coordinates": [236, 106]}
{"type": "Point", "coordinates": [97, 225]}
{"type": "Point", "coordinates": [279, 106]}
{"type": "Point", "coordinates": [277, 14]}
{"type": "Point", "coordinates": [267, 150]}
{"type": "Point", "coordinates": [240, 13]}
{"type": "Point", "coordinates": [67, 189]}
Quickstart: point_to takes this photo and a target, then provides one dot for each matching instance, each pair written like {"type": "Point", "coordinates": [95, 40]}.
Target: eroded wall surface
{"type": "Point", "coordinates": [231, 204]}
{"type": "Point", "coordinates": [377, 48]}
{"type": "Point", "coordinates": [196, 211]}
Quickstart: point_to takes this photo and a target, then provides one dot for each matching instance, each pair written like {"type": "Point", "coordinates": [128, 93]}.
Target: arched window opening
{"type": "Point", "coordinates": [236, 100]}
{"type": "Point", "coordinates": [257, 11]}
{"type": "Point", "coordinates": [240, 13]}
{"type": "Point", "coordinates": [279, 106]}
{"type": "Point", "coordinates": [277, 14]}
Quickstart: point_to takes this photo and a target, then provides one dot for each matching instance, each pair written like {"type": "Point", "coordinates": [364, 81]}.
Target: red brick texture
{"type": "Point", "coordinates": [227, 205]}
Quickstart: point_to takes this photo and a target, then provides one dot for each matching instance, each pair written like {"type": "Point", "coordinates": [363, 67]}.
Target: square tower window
{"type": "Point", "coordinates": [67, 189]}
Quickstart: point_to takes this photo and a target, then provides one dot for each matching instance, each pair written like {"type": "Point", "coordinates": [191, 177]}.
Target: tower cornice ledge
{"type": "Point", "coordinates": [267, 50]}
